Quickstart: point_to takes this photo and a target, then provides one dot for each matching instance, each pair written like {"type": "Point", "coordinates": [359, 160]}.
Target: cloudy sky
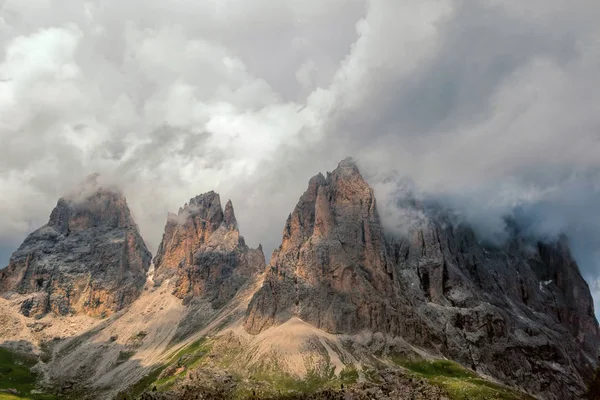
{"type": "Point", "coordinates": [484, 104]}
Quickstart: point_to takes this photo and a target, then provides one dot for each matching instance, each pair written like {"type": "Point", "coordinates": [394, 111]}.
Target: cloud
{"type": "Point", "coordinates": [485, 106]}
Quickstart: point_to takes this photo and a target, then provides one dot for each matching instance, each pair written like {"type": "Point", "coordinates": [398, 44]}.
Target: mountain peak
{"type": "Point", "coordinates": [438, 288]}
{"type": "Point", "coordinates": [90, 242]}
{"type": "Point", "coordinates": [203, 252]}
{"type": "Point", "coordinates": [335, 231]}
{"type": "Point", "coordinates": [205, 207]}
{"type": "Point", "coordinates": [229, 216]}
{"type": "Point", "coordinates": [347, 162]}
{"type": "Point", "coordinates": [91, 205]}
{"type": "Point", "coordinates": [347, 170]}
{"type": "Point", "coordinates": [92, 184]}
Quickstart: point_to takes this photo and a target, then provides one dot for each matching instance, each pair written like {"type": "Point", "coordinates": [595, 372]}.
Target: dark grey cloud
{"type": "Point", "coordinates": [485, 106]}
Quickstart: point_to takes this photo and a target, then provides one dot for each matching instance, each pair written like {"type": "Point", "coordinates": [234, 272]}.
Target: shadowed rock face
{"type": "Point", "coordinates": [203, 253]}
{"type": "Point", "coordinates": [520, 312]}
{"type": "Point", "coordinates": [89, 258]}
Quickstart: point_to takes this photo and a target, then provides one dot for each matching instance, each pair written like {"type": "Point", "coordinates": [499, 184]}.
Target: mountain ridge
{"type": "Point", "coordinates": [442, 290]}
{"type": "Point", "coordinates": [341, 302]}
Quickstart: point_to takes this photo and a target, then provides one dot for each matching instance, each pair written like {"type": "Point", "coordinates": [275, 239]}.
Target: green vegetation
{"type": "Point", "coordinates": [7, 396]}
{"type": "Point", "coordinates": [282, 382]}
{"type": "Point", "coordinates": [266, 380]}
{"type": "Point", "coordinates": [188, 357]}
{"type": "Point", "coordinates": [436, 368]}
{"type": "Point", "coordinates": [349, 375]}
{"type": "Point", "coordinates": [15, 373]}
{"type": "Point", "coordinates": [192, 354]}
{"type": "Point", "coordinates": [136, 390]}
{"type": "Point", "coordinates": [459, 382]}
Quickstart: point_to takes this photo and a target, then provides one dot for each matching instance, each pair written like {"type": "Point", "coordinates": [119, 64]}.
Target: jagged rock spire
{"type": "Point", "coordinates": [229, 216]}
{"type": "Point", "coordinates": [204, 253]}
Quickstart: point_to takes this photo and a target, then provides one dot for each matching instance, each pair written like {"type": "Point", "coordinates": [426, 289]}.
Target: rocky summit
{"type": "Point", "coordinates": [332, 269]}
{"type": "Point", "coordinates": [520, 312]}
{"type": "Point", "coordinates": [203, 253]}
{"type": "Point", "coordinates": [89, 258]}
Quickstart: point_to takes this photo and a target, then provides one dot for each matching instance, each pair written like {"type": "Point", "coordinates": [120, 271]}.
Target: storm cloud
{"type": "Point", "coordinates": [486, 106]}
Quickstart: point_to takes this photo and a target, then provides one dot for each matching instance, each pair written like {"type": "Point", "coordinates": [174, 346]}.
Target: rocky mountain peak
{"type": "Point", "coordinates": [229, 216]}
{"type": "Point", "coordinates": [347, 165]}
{"type": "Point", "coordinates": [203, 253]}
{"type": "Point", "coordinates": [519, 311]}
{"type": "Point", "coordinates": [88, 258]}
{"type": "Point", "coordinates": [331, 269]}
{"type": "Point", "coordinates": [91, 205]}
{"type": "Point", "coordinates": [206, 207]}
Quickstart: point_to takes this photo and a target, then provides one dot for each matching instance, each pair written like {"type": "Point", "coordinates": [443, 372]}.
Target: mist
{"type": "Point", "coordinates": [484, 106]}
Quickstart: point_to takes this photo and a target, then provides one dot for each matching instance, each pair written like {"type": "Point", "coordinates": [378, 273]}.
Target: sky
{"type": "Point", "coordinates": [483, 105]}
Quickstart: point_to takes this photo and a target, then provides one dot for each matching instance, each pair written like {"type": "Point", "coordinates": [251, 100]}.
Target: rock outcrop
{"type": "Point", "coordinates": [520, 312]}
{"type": "Point", "coordinates": [332, 269]}
{"type": "Point", "coordinates": [89, 258]}
{"type": "Point", "coordinates": [203, 253]}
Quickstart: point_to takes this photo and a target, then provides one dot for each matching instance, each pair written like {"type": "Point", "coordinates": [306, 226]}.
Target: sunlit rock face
{"type": "Point", "coordinates": [331, 269]}
{"type": "Point", "coordinates": [203, 253]}
{"type": "Point", "coordinates": [89, 258]}
{"type": "Point", "coordinates": [520, 311]}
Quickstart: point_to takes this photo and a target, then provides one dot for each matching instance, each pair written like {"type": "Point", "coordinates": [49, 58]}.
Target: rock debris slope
{"type": "Point", "coordinates": [203, 253]}
{"type": "Point", "coordinates": [89, 258]}
{"type": "Point", "coordinates": [520, 312]}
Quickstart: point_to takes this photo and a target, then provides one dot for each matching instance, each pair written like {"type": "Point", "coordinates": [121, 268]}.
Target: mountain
{"type": "Point", "coordinates": [343, 310]}
{"type": "Point", "coordinates": [203, 252]}
{"type": "Point", "coordinates": [204, 275]}
{"type": "Point", "coordinates": [89, 258]}
{"type": "Point", "coordinates": [332, 269]}
{"type": "Point", "coordinates": [520, 312]}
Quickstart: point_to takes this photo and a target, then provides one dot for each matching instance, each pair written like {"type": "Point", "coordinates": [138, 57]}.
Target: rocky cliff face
{"type": "Point", "coordinates": [520, 312]}
{"type": "Point", "coordinates": [203, 253]}
{"type": "Point", "coordinates": [332, 269]}
{"type": "Point", "coordinates": [89, 258]}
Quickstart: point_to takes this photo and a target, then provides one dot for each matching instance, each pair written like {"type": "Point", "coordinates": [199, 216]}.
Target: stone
{"type": "Point", "coordinates": [519, 311]}
{"type": "Point", "coordinates": [89, 258]}
{"type": "Point", "coordinates": [203, 253]}
{"type": "Point", "coordinates": [332, 269]}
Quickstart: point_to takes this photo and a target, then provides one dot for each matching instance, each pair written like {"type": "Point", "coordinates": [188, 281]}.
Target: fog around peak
{"type": "Point", "coordinates": [484, 106]}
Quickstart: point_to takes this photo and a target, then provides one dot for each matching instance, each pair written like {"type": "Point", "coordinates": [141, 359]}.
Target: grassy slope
{"type": "Point", "coordinates": [460, 383]}
{"type": "Point", "coordinates": [188, 357]}
{"type": "Point", "coordinates": [15, 373]}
